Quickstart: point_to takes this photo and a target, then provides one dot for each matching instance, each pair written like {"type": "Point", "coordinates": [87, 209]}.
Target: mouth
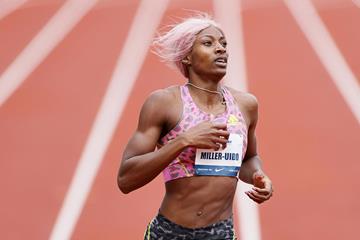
{"type": "Point", "coordinates": [221, 61]}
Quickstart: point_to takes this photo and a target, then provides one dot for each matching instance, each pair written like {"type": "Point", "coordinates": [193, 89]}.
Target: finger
{"type": "Point", "coordinates": [254, 196]}
{"type": "Point", "coordinates": [211, 145]}
{"type": "Point", "coordinates": [259, 177]}
{"type": "Point", "coordinates": [259, 201]}
{"type": "Point", "coordinates": [216, 146]}
{"type": "Point", "coordinates": [258, 196]}
{"type": "Point", "coordinates": [264, 192]}
{"type": "Point", "coordinates": [222, 141]}
{"type": "Point", "coordinates": [268, 185]}
{"type": "Point", "coordinates": [223, 146]}
{"type": "Point", "coordinates": [222, 133]}
{"type": "Point", "coordinates": [222, 126]}
{"type": "Point", "coordinates": [259, 180]}
{"type": "Point", "coordinates": [259, 183]}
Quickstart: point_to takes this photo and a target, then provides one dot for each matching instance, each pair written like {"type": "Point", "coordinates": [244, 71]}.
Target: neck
{"type": "Point", "coordinates": [204, 89]}
{"type": "Point", "coordinates": [212, 95]}
{"type": "Point", "coordinates": [208, 81]}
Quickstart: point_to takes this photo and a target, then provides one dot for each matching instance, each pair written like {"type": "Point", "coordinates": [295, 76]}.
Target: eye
{"type": "Point", "coordinates": [224, 44]}
{"type": "Point", "coordinates": [207, 43]}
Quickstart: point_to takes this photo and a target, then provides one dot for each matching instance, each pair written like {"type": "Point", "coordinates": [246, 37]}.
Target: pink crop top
{"type": "Point", "coordinates": [183, 165]}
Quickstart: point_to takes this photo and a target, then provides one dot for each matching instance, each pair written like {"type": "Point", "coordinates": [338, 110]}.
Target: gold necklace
{"type": "Point", "coordinates": [223, 102]}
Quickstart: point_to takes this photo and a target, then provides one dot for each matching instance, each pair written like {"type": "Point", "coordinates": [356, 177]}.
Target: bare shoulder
{"type": "Point", "coordinates": [158, 97]}
{"type": "Point", "coordinates": [247, 100]}
{"type": "Point", "coordinates": [158, 105]}
{"type": "Point", "coordinates": [247, 103]}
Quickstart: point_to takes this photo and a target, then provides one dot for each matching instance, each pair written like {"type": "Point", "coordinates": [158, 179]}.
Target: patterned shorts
{"type": "Point", "coordinates": [161, 228]}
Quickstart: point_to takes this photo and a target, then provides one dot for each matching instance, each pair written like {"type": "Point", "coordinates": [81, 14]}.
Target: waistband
{"type": "Point", "coordinates": [226, 222]}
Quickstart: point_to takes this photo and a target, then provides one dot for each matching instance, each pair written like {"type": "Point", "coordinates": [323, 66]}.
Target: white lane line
{"type": "Point", "coordinates": [42, 44]}
{"type": "Point", "coordinates": [8, 6]}
{"type": "Point", "coordinates": [229, 16]}
{"type": "Point", "coordinates": [116, 96]}
{"type": "Point", "coordinates": [320, 39]}
{"type": "Point", "coordinates": [357, 3]}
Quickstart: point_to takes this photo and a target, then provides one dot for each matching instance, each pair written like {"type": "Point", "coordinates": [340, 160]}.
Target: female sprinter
{"type": "Point", "coordinates": [204, 136]}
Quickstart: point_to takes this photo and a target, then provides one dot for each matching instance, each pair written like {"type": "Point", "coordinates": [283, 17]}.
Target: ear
{"type": "Point", "coordinates": [186, 60]}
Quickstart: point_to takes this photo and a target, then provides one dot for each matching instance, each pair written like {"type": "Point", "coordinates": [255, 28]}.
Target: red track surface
{"type": "Point", "coordinates": [308, 138]}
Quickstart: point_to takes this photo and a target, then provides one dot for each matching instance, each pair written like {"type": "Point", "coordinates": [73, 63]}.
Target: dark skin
{"type": "Point", "coordinates": [199, 200]}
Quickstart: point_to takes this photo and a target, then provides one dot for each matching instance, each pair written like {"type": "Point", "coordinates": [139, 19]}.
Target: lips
{"type": "Point", "coordinates": [221, 61]}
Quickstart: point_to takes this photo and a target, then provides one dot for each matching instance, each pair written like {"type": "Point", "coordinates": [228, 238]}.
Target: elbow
{"type": "Point", "coordinates": [123, 186]}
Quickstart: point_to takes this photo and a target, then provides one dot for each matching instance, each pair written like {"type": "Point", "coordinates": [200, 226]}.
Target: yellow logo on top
{"type": "Point", "coordinates": [232, 119]}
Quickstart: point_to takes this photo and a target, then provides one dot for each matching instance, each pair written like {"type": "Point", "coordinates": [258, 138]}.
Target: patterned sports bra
{"type": "Point", "coordinates": [183, 165]}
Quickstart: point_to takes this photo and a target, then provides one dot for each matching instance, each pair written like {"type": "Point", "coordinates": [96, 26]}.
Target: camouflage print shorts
{"type": "Point", "coordinates": [161, 228]}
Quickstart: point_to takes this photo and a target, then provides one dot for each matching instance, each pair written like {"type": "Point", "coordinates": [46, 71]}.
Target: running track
{"type": "Point", "coordinates": [54, 114]}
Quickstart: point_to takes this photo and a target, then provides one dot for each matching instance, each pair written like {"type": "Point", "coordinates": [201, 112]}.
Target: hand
{"type": "Point", "coordinates": [262, 189]}
{"type": "Point", "coordinates": [207, 135]}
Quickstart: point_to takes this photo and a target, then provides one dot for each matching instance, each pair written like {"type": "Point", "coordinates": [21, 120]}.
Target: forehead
{"type": "Point", "coordinates": [211, 32]}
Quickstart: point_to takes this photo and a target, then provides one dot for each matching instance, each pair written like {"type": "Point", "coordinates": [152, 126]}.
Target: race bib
{"type": "Point", "coordinates": [224, 162]}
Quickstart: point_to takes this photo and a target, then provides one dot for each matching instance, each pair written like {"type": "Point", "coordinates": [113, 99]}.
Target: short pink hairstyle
{"type": "Point", "coordinates": [173, 46]}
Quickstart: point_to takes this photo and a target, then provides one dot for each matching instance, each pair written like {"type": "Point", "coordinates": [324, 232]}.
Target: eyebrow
{"type": "Point", "coordinates": [211, 36]}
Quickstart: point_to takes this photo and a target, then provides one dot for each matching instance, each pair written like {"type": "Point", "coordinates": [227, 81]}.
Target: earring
{"type": "Point", "coordinates": [185, 61]}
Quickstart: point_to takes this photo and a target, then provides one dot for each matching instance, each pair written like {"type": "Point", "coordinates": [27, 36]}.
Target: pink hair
{"type": "Point", "coordinates": [173, 46]}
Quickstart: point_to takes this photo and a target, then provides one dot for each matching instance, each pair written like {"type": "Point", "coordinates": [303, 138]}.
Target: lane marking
{"type": "Point", "coordinates": [42, 44]}
{"type": "Point", "coordinates": [357, 3]}
{"type": "Point", "coordinates": [9, 6]}
{"type": "Point", "coordinates": [229, 17]}
{"type": "Point", "coordinates": [124, 76]}
{"type": "Point", "coordinates": [330, 56]}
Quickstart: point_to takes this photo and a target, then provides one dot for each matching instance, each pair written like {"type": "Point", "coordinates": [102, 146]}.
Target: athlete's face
{"type": "Point", "coordinates": [208, 56]}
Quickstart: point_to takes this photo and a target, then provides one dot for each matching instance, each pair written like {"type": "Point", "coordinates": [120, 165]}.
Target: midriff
{"type": "Point", "coordinates": [199, 201]}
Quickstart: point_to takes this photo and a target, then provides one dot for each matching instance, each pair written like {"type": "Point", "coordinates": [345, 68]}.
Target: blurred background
{"type": "Point", "coordinates": [73, 77]}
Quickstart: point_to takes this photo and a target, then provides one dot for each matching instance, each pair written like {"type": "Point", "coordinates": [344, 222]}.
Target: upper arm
{"type": "Point", "coordinates": [249, 106]}
{"type": "Point", "coordinates": [252, 112]}
{"type": "Point", "coordinates": [151, 121]}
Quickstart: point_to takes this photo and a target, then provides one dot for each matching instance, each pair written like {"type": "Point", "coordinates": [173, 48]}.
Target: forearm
{"type": "Point", "coordinates": [249, 167]}
{"type": "Point", "coordinates": [140, 170]}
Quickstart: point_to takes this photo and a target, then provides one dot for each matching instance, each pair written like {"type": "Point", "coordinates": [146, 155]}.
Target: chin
{"type": "Point", "coordinates": [220, 73]}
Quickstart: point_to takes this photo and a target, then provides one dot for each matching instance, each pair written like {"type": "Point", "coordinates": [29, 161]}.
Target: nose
{"type": "Point", "coordinates": [220, 48]}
